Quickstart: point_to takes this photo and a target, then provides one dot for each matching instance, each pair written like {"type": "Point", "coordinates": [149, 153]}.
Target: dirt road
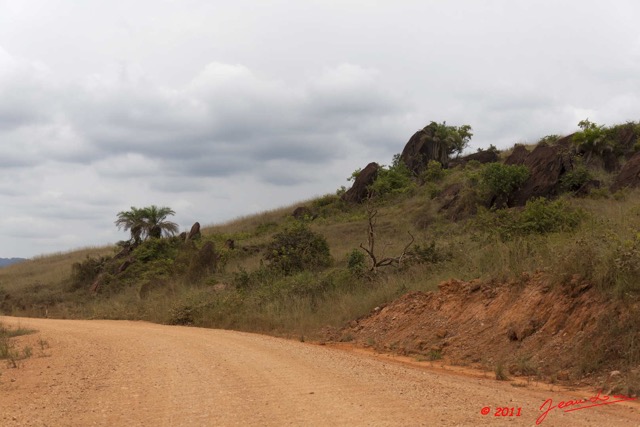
{"type": "Point", "coordinates": [116, 373]}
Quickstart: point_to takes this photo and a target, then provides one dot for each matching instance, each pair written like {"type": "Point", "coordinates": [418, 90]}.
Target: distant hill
{"type": "Point", "coordinates": [8, 261]}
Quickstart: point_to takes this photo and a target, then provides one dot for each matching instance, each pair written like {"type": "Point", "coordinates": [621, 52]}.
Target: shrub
{"type": "Point", "coordinates": [576, 178]}
{"type": "Point", "coordinates": [394, 179]}
{"type": "Point", "coordinates": [454, 138]}
{"type": "Point", "coordinates": [329, 205]}
{"type": "Point", "coordinates": [154, 248]}
{"type": "Point", "coordinates": [501, 180]}
{"type": "Point", "coordinates": [430, 253]}
{"type": "Point", "coordinates": [539, 216]}
{"type": "Point", "coordinates": [591, 140]}
{"type": "Point", "coordinates": [203, 262]}
{"type": "Point", "coordinates": [543, 216]}
{"type": "Point", "coordinates": [433, 172]}
{"type": "Point", "coordinates": [181, 314]}
{"type": "Point", "coordinates": [298, 248]}
{"type": "Point", "coordinates": [86, 272]}
{"type": "Point", "coordinates": [626, 263]}
{"type": "Point", "coordinates": [356, 263]}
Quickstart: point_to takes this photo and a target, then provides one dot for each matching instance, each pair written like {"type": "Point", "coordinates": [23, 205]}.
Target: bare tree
{"type": "Point", "coordinates": [372, 213]}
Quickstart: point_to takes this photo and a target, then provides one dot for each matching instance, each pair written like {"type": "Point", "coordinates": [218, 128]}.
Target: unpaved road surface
{"type": "Point", "coordinates": [117, 373]}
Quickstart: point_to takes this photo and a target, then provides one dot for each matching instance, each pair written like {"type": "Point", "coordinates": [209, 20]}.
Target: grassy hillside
{"type": "Point", "coordinates": [427, 235]}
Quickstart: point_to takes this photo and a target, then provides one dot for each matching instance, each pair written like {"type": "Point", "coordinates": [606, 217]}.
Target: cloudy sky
{"type": "Point", "coordinates": [225, 108]}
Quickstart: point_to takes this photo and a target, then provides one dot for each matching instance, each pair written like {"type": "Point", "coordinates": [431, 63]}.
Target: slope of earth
{"type": "Point", "coordinates": [555, 333]}
{"type": "Point", "coordinates": [114, 373]}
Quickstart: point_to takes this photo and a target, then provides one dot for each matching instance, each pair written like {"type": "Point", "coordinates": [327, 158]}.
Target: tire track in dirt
{"type": "Point", "coordinates": [118, 373]}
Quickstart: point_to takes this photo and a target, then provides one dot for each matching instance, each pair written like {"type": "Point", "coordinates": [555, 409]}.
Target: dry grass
{"type": "Point", "coordinates": [8, 350]}
{"type": "Point", "coordinates": [269, 308]}
{"type": "Point", "coordinates": [251, 222]}
{"type": "Point", "coordinates": [46, 269]}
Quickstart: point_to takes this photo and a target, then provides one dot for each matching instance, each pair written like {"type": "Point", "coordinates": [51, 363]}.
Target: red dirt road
{"type": "Point", "coordinates": [117, 373]}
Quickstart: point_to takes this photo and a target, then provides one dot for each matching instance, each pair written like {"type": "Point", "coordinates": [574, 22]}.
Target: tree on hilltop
{"type": "Point", "coordinates": [147, 222]}
{"type": "Point", "coordinates": [454, 138]}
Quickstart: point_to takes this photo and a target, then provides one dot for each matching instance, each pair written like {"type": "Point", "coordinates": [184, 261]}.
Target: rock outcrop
{"type": "Point", "coordinates": [195, 231]}
{"type": "Point", "coordinates": [303, 212]}
{"type": "Point", "coordinates": [517, 156]}
{"type": "Point", "coordinates": [546, 164]}
{"type": "Point", "coordinates": [422, 148]}
{"type": "Point", "coordinates": [629, 176]}
{"type": "Point", "coordinates": [359, 191]}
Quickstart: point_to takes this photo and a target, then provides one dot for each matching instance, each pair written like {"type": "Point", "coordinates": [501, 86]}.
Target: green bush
{"type": "Point", "coordinates": [544, 216]}
{"type": "Point", "coordinates": [430, 253]}
{"type": "Point", "coordinates": [298, 248]}
{"type": "Point", "coordinates": [539, 216]}
{"type": "Point", "coordinates": [433, 172]}
{"type": "Point", "coordinates": [626, 261]}
{"type": "Point", "coordinates": [609, 262]}
{"type": "Point", "coordinates": [576, 178]}
{"type": "Point", "coordinates": [454, 138]}
{"type": "Point", "coordinates": [156, 248]}
{"type": "Point", "coordinates": [591, 140]}
{"type": "Point", "coordinates": [245, 281]}
{"type": "Point", "coordinates": [501, 180]}
{"type": "Point", "coordinates": [394, 179]}
{"type": "Point", "coordinates": [356, 263]}
{"type": "Point", "coordinates": [329, 205]}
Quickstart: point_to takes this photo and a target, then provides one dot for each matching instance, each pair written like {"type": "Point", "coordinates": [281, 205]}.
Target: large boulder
{"type": "Point", "coordinates": [610, 161]}
{"type": "Point", "coordinates": [517, 156]}
{"type": "Point", "coordinates": [194, 233]}
{"type": "Point", "coordinates": [422, 148]}
{"type": "Point", "coordinates": [625, 136]}
{"type": "Point", "coordinates": [359, 191]}
{"type": "Point", "coordinates": [303, 213]}
{"type": "Point", "coordinates": [629, 176]}
{"type": "Point", "coordinates": [546, 164]}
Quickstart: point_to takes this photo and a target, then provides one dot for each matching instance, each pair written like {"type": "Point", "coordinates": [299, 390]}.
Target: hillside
{"type": "Point", "coordinates": [512, 239]}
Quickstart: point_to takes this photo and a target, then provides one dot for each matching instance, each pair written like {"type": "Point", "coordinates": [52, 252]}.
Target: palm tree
{"type": "Point", "coordinates": [133, 220]}
{"type": "Point", "coordinates": [147, 222]}
{"type": "Point", "coordinates": [156, 223]}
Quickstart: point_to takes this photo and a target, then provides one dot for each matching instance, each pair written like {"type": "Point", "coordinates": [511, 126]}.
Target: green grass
{"type": "Point", "coordinates": [7, 347]}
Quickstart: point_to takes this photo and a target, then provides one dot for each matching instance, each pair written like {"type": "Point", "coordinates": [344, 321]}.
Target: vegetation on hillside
{"type": "Point", "coordinates": [274, 273]}
{"type": "Point", "coordinates": [454, 138]}
{"type": "Point", "coordinates": [148, 222]}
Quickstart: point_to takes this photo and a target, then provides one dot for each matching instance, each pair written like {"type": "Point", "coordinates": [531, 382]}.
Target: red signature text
{"type": "Point", "coordinates": [575, 405]}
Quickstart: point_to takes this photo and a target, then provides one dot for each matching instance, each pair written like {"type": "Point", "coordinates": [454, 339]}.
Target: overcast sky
{"type": "Point", "coordinates": [226, 108]}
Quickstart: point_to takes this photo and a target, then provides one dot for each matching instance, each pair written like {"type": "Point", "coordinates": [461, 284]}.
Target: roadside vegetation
{"type": "Point", "coordinates": [296, 276]}
{"type": "Point", "coordinates": [8, 350]}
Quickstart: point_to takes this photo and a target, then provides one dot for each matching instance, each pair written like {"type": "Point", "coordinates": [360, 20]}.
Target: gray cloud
{"type": "Point", "coordinates": [182, 108]}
